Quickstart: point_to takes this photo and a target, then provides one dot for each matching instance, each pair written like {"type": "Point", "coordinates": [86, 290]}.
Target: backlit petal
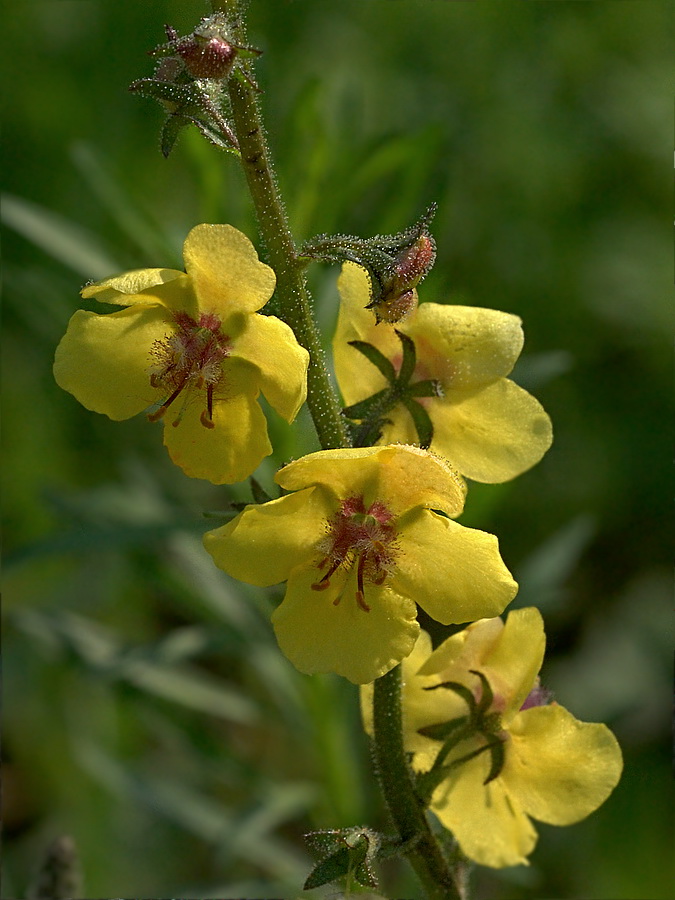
{"type": "Point", "coordinates": [125, 289]}
{"type": "Point", "coordinates": [319, 636]}
{"type": "Point", "coordinates": [512, 663]}
{"type": "Point", "coordinates": [490, 826]}
{"type": "Point", "coordinates": [399, 476]}
{"type": "Point", "coordinates": [265, 542]}
{"type": "Point", "coordinates": [356, 376]}
{"type": "Point", "coordinates": [104, 361]}
{"type": "Point", "coordinates": [493, 434]}
{"type": "Point", "coordinates": [560, 769]}
{"type": "Point", "coordinates": [455, 573]}
{"type": "Point", "coordinates": [226, 453]}
{"type": "Point", "coordinates": [270, 345]}
{"type": "Point", "coordinates": [227, 275]}
{"type": "Point", "coordinates": [465, 346]}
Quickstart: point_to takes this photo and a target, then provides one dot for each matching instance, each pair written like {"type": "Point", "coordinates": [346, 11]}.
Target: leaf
{"type": "Point", "coordinates": [62, 239]}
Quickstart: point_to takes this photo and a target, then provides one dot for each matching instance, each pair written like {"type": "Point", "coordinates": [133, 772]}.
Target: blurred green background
{"type": "Point", "coordinates": [148, 712]}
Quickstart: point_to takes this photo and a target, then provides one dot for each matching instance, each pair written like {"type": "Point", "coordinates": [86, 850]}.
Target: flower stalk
{"type": "Point", "coordinates": [396, 779]}
{"type": "Point", "coordinates": [292, 301]}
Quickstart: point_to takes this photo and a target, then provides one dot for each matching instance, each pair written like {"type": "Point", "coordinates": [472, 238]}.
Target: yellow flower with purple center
{"type": "Point", "coordinates": [496, 750]}
{"type": "Point", "coordinates": [365, 535]}
{"type": "Point", "coordinates": [487, 426]}
{"type": "Point", "coordinates": [191, 347]}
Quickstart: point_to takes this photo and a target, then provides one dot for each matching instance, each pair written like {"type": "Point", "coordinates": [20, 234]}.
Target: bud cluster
{"type": "Point", "coordinates": [395, 263]}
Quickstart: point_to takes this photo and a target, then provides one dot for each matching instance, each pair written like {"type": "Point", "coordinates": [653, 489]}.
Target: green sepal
{"type": "Point", "coordinates": [460, 689]}
{"type": "Point", "coordinates": [409, 360]}
{"type": "Point", "coordinates": [373, 406]}
{"type": "Point", "coordinates": [428, 388]}
{"type": "Point", "coordinates": [498, 754]}
{"type": "Point", "coordinates": [368, 433]}
{"type": "Point", "coordinates": [329, 869]}
{"type": "Point", "coordinates": [487, 696]}
{"type": "Point", "coordinates": [170, 131]}
{"type": "Point", "coordinates": [442, 730]}
{"type": "Point", "coordinates": [167, 91]}
{"type": "Point", "coordinates": [259, 494]}
{"type": "Point", "coordinates": [421, 420]}
{"type": "Point", "coordinates": [356, 849]}
{"type": "Point", "coordinates": [377, 358]}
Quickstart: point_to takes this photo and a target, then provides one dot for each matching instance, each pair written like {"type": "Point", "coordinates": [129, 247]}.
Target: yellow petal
{"type": "Point", "coordinates": [319, 636]}
{"type": "Point", "coordinates": [104, 361]}
{"type": "Point", "coordinates": [489, 824]}
{"type": "Point", "coordinates": [226, 453]}
{"type": "Point", "coordinates": [270, 345]}
{"type": "Point", "coordinates": [512, 663]}
{"type": "Point", "coordinates": [455, 573]}
{"type": "Point", "coordinates": [224, 267]}
{"type": "Point", "coordinates": [357, 377]}
{"type": "Point", "coordinates": [463, 651]}
{"type": "Point", "coordinates": [129, 288]}
{"type": "Point", "coordinates": [493, 434]}
{"type": "Point", "coordinates": [399, 476]}
{"type": "Point", "coordinates": [465, 346]}
{"type": "Point", "coordinates": [265, 542]}
{"type": "Point", "coordinates": [560, 769]}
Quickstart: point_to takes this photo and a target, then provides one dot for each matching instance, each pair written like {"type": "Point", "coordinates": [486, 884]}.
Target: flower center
{"type": "Point", "coordinates": [189, 359]}
{"type": "Point", "coordinates": [363, 536]}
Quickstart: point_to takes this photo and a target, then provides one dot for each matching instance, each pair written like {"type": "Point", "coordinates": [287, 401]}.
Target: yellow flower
{"type": "Point", "coordinates": [193, 346]}
{"type": "Point", "coordinates": [487, 426]}
{"type": "Point", "coordinates": [360, 543]}
{"type": "Point", "coordinates": [554, 768]}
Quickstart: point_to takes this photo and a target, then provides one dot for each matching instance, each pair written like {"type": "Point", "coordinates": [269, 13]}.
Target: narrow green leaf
{"type": "Point", "coordinates": [60, 238]}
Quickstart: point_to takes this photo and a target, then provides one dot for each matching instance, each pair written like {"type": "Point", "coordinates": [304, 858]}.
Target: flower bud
{"type": "Point", "coordinates": [211, 57]}
{"type": "Point", "coordinates": [398, 298]}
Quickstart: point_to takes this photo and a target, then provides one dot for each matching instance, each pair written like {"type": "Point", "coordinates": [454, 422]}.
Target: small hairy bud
{"type": "Point", "coordinates": [210, 58]}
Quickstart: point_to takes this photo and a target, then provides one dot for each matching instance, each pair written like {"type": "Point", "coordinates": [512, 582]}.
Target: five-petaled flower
{"type": "Point", "coordinates": [191, 345]}
{"type": "Point", "coordinates": [488, 427]}
{"type": "Point", "coordinates": [360, 542]}
{"type": "Point", "coordinates": [554, 768]}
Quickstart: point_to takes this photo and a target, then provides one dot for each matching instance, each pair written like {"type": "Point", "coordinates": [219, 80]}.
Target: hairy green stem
{"type": "Point", "coordinates": [292, 302]}
{"type": "Point", "coordinates": [396, 779]}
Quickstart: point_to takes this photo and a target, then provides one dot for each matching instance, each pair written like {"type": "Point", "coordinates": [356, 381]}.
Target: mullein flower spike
{"type": "Point", "coordinates": [488, 427]}
{"type": "Point", "coordinates": [192, 347]}
{"type": "Point", "coordinates": [360, 543]}
{"type": "Point", "coordinates": [480, 690]}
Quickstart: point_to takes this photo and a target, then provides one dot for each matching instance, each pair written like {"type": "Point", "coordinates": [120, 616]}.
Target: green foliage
{"type": "Point", "coordinates": [148, 712]}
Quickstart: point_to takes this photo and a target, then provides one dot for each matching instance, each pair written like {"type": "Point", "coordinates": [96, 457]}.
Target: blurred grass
{"type": "Point", "coordinates": [148, 712]}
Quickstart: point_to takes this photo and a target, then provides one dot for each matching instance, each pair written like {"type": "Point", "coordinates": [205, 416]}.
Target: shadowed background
{"type": "Point", "coordinates": [148, 712]}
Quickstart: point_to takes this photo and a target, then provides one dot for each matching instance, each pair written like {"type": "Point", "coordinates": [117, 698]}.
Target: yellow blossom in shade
{"type": "Point", "coordinates": [555, 769]}
{"type": "Point", "coordinates": [360, 542]}
{"type": "Point", "coordinates": [192, 346]}
{"type": "Point", "coordinates": [487, 426]}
